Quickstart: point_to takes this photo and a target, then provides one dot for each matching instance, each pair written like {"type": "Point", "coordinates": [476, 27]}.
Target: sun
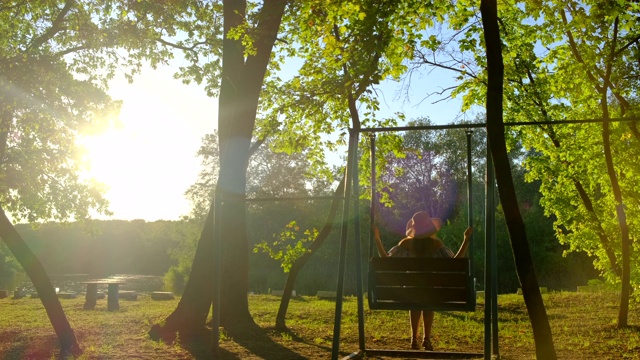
{"type": "Point", "coordinates": [147, 159]}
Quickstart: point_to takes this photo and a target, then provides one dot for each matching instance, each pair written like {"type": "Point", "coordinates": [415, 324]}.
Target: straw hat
{"type": "Point", "coordinates": [422, 225]}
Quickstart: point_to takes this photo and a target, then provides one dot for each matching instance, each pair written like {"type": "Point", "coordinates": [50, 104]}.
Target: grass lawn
{"type": "Point", "coordinates": [583, 326]}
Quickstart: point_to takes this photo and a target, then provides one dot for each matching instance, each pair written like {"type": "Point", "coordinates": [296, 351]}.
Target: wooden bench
{"type": "Point", "coordinates": [92, 294]}
{"type": "Point", "coordinates": [19, 293]}
{"type": "Point", "coordinates": [128, 295]}
{"type": "Point", "coordinates": [421, 284]}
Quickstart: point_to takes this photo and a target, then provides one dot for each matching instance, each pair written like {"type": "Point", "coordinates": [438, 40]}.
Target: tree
{"type": "Point", "coordinates": [556, 60]}
{"type": "Point", "coordinates": [242, 76]}
{"type": "Point", "coordinates": [55, 61]}
{"type": "Point", "coordinates": [496, 142]}
{"type": "Point", "coordinates": [271, 176]}
{"type": "Point", "coordinates": [362, 43]}
{"type": "Point", "coordinates": [579, 183]}
{"type": "Point", "coordinates": [350, 64]}
{"type": "Point", "coordinates": [301, 261]}
{"type": "Point", "coordinates": [249, 38]}
{"type": "Point", "coordinates": [605, 55]}
{"type": "Point", "coordinates": [42, 105]}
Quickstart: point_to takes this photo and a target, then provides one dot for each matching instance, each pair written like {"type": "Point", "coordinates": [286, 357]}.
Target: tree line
{"type": "Point", "coordinates": [431, 175]}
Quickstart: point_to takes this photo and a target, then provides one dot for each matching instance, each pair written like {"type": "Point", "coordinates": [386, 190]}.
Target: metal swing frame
{"type": "Point", "coordinates": [491, 302]}
{"type": "Point", "coordinates": [351, 195]}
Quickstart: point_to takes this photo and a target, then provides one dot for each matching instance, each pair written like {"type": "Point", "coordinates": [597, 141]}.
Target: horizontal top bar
{"type": "Point", "coordinates": [295, 198]}
{"type": "Point", "coordinates": [425, 127]}
{"type": "Point", "coordinates": [484, 125]}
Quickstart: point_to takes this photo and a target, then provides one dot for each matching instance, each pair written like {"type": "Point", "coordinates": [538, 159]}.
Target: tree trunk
{"type": "Point", "coordinates": [302, 261]}
{"type": "Point", "coordinates": [625, 278]}
{"type": "Point", "coordinates": [625, 292]}
{"type": "Point", "coordinates": [607, 244]}
{"type": "Point", "coordinates": [238, 103]}
{"type": "Point", "coordinates": [36, 272]}
{"type": "Point", "coordinates": [495, 133]}
{"type": "Point", "coordinates": [190, 315]}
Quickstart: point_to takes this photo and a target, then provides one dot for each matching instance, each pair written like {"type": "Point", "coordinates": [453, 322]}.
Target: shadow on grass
{"type": "Point", "coordinates": [258, 342]}
{"type": "Point", "coordinates": [22, 347]}
{"type": "Point", "coordinates": [294, 337]}
{"type": "Point", "coordinates": [626, 329]}
{"type": "Point", "coordinates": [15, 352]}
{"type": "Point", "coordinates": [248, 339]}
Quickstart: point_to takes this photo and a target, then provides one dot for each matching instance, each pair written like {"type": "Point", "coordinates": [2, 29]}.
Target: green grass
{"type": "Point", "coordinates": [583, 327]}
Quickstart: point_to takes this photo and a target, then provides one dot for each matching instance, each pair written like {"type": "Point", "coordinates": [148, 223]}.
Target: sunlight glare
{"type": "Point", "coordinates": [149, 160]}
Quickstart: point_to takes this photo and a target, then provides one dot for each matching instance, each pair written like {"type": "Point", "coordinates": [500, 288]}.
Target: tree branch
{"type": "Point", "coordinates": [351, 99]}
{"type": "Point", "coordinates": [424, 60]}
{"type": "Point", "coordinates": [256, 145]}
{"type": "Point", "coordinates": [576, 52]}
{"type": "Point", "coordinates": [70, 50]}
{"type": "Point", "coordinates": [607, 83]}
{"type": "Point", "coordinates": [622, 49]}
{"type": "Point", "coordinates": [56, 26]}
{"type": "Point", "coordinates": [181, 47]}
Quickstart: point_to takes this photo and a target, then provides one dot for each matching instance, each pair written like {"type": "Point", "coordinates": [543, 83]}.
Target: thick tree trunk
{"type": "Point", "coordinates": [625, 292]}
{"type": "Point", "coordinates": [302, 261]}
{"type": "Point", "coordinates": [238, 103]}
{"type": "Point", "coordinates": [190, 315]}
{"type": "Point", "coordinates": [239, 96]}
{"type": "Point", "coordinates": [495, 132]}
{"type": "Point", "coordinates": [36, 272]}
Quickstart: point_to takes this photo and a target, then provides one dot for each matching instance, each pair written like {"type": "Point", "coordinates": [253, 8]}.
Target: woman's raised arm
{"type": "Point", "coordinates": [376, 236]}
{"type": "Point", "coordinates": [465, 243]}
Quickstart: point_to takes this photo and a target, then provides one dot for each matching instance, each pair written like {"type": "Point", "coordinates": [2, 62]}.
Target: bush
{"type": "Point", "coordinates": [176, 278]}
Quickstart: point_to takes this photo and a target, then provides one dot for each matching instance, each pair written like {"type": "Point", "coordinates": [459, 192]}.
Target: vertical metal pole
{"type": "Point", "coordinates": [374, 197]}
{"type": "Point", "coordinates": [358, 242]}
{"type": "Point", "coordinates": [470, 194]}
{"type": "Point", "coordinates": [372, 216]}
{"type": "Point", "coordinates": [494, 273]}
{"type": "Point", "coordinates": [343, 248]}
{"type": "Point", "coordinates": [217, 237]}
{"type": "Point", "coordinates": [488, 260]}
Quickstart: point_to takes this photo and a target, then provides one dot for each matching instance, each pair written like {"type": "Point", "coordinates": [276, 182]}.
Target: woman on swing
{"type": "Point", "coordinates": [421, 242]}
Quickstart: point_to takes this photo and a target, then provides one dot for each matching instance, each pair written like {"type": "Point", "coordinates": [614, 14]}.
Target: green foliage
{"type": "Point", "coordinates": [271, 174]}
{"type": "Point", "coordinates": [341, 50]}
{"type": "Point", "coordinates": [9, 267]}
{"type": "Point", "coordinates": [289, 245]}
{"type": "Point", "coordinates": [56, 58]}
{"type": "Point", "coordinates": [176, 278]}
{"type": "Point", "coordinates": [594, 282]}
{"type": "Point", "coordinates": [556, 55]}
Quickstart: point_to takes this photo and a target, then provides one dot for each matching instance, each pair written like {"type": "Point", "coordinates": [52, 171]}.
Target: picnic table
{"type": "Point", "coordinates": [92, 294]}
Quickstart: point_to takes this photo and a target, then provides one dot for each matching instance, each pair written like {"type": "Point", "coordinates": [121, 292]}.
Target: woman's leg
{"type": "Point", "coordinates": [414, 316]}
{"type": "Point", "coordinates": [427, 319]}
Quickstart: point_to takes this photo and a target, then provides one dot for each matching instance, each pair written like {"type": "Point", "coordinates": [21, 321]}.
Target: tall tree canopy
{"type": "Point", "coordinates": [567, 60]}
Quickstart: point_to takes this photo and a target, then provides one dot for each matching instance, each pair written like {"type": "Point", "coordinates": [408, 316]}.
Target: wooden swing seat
{"type": "Point", "coordinates": [421, 284]}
